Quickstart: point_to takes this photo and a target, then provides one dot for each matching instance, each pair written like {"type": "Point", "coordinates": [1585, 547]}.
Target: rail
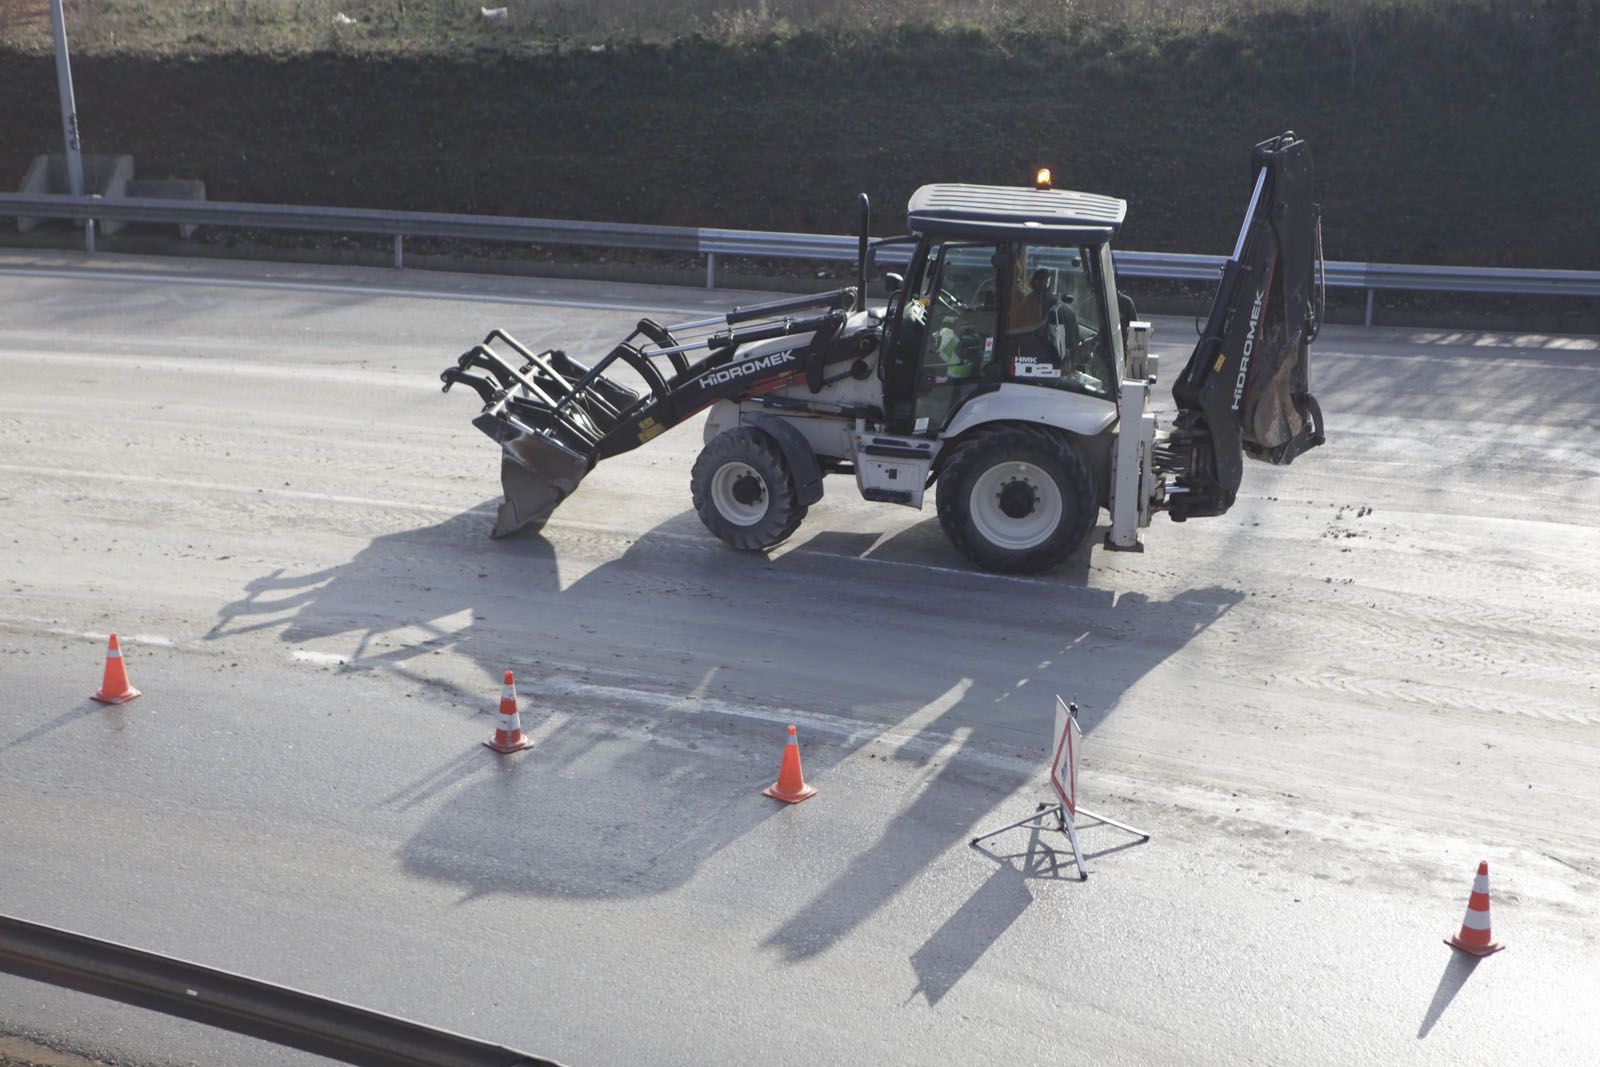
{"type": "Point", "coordinates": [712, 243]}
{"type": "Point", "coordinates": [228, 1001]}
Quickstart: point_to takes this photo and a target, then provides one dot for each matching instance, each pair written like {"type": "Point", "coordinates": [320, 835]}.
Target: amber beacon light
{"type": "Point", "coordinates": [1041, 179]}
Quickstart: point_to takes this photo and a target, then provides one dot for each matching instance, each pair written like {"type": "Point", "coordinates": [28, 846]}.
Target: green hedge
{"type": "Point", "coordinates": [1462, 134]}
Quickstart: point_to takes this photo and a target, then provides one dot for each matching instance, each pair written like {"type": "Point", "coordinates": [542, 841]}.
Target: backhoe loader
{"type": "Point", "coordinates": [1004, 370]}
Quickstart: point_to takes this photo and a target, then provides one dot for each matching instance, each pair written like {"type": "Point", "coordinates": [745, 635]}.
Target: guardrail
{"type": "Point", "coordinates": [273, 1013]}
{"type": "Point", "coordinates": [713, 242]}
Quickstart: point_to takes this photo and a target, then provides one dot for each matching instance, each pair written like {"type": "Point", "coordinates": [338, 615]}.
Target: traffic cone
{"type": "Point", "coordinates": [508, 736]}
{"type": "Point", "coordinates": [791, 785]}
{"type": "Point", "coordinates": [114, 688]}
{"type": "Point", "coordinates": [1474, 936]}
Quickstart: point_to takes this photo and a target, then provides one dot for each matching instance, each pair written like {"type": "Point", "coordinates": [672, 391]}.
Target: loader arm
{"type": "Point", "coordinates": [1246, 388]}
{"type": "Point", "coordinates": [555, 418]}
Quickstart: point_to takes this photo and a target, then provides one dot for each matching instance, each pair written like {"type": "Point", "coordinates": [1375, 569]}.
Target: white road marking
{"type": "Point", "coordinates": [487, 509]}
{"type": "Point", "coordinates": [1525, 357]}
{"type": "Point", "coordinates": [122, 638]}
{"type": "Point", "coordinates": [853, 732]}
{"type": "Point", "coordinates": [224, 487]}
{"type": "Point", "coordinates": [321, 659]}
{"type": "Point", "coordinates": [213, 365]}
{"type": "Point", "coordinates": [337, 287]}
{"type": "Point", "coordinates": [936, 745]}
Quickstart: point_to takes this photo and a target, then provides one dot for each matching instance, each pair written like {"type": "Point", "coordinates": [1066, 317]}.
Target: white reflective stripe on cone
{"type": "Point", "coordinates": [1480, 883]}
{"type": "Point", "coordinates": [113, 653]}
{"type": "Point", "coordinates": [1476, 920]}
{"type": "Point", "coordinates": [508, 692]}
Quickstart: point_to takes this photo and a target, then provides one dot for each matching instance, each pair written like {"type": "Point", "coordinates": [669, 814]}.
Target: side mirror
{"type": "Point", "coordinates": [894, 282]}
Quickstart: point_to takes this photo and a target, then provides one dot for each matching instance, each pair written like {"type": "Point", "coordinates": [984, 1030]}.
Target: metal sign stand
{"type": "Point", "coordinates": [1064, 779]}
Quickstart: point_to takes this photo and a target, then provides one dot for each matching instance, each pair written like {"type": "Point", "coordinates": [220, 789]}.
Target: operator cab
{"type": "Point", "coordinates": [1005, 285]}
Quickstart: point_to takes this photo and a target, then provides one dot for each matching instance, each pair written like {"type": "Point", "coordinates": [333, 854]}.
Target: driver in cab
{"type": "Point", "coordinates": [1040, 323]}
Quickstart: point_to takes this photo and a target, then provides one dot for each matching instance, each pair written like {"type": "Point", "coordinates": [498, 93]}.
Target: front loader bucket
{"type": "Point", "coordinates": [555, 418]}
{"type": "Point", "coordinates": [536, 474]}
{"type": "Point", "coordinates": [548, 413]}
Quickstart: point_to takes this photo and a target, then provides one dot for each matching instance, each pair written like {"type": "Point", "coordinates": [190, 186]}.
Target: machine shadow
{"type": "Point", "coordinates": [1100, 651]}
{"type": "Point", "coordinates": [534, 823]}
{"type": "Point", "coordinates": [651, 750]}
{"type": "Point", "coordinates": [925, 545]}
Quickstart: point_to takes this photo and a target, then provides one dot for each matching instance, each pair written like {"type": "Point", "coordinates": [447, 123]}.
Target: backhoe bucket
{"type": "Point", "coordinates": [1246, 390]}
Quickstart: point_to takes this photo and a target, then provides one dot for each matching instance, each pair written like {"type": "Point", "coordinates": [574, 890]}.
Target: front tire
{"type": "Point", "coordinates": [743, 491]}
{"type": "Point", "coordinates": [1017, 499]}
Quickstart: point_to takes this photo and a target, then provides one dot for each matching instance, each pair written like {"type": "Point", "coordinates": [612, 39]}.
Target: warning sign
{"type": "Point", "coordinates": [1064, 780]}
{"type": "Point", "coordinates": [1064, 767]}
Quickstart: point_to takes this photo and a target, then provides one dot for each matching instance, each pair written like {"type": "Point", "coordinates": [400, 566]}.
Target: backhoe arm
{"type": "Point", "coordinates": [1246, 388]}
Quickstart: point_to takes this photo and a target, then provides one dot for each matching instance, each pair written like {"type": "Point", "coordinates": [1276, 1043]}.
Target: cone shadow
{"type": "Point", "coordinates": [56, 723]}
{"type": "Point", "coordinates": [1456, 972]}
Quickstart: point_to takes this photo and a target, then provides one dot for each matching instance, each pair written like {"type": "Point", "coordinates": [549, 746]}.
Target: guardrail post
{"type": "Point", "coordinates": [1369, 307]}
{"type": "Point", "coordinates": [88, 235]}
{"type": "Point", "coordinates": [711, 270]}
{"type": "Point", "coordinates": [399, 252]}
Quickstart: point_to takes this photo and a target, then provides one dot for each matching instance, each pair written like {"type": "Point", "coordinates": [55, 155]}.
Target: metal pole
{"type": "Point", "coordinates": [1369, 307]}
{"type": "Point", "coordinates": [69, 112]}
{"type": "Point", "coordinates": [711, 270]}
{"type": "Point", "coordinates": [399, 252]}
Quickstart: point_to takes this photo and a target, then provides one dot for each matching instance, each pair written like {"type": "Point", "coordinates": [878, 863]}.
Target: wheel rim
{"type": "Point", "coordinates": [1015, 505]}
{"type": "Point", "coordinates": [739, 493]}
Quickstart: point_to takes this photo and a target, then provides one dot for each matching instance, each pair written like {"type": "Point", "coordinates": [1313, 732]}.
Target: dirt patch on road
{"type": "Point", "coordinates": [21, 1052]}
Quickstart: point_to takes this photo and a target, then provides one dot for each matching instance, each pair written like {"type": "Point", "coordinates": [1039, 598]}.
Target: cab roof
{"type": "Point", "coordinates": [1010, 213]}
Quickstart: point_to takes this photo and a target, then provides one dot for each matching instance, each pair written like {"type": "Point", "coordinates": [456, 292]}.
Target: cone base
{"type": "Point", "coordinates": [805, 792]}
{"type": "Point", "coordinates": [1474, 950]}
{"type": "Point", "coordinates": [116, 698]}
{"type": "Point", "coordinates": [515, 746]}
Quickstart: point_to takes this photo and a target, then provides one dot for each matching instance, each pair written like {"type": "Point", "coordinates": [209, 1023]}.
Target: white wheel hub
{"type": "Point", "coordinates": [1015, 505]}
{"type": "Point", "coordinates": [739, 493]}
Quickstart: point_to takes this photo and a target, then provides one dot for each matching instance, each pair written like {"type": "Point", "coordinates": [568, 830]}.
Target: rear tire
{"type": "Point", "coordinates": [743, 491]}
{"type": "Point", "coordinates": [1017, 499]}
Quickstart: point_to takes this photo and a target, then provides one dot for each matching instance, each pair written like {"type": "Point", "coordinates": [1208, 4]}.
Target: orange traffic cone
{"type": "Point", "coordinates": [791, 785]}
{"type": "Point", "coordinates": [508, 736]}
{"type": "Point", "coordinates": [1474, 936]}
{"type": "Point", "coordinates": [114, 688]}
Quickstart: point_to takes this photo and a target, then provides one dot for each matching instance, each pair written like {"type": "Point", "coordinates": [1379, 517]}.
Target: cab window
{"type": "Point", "coordinates": [1055, 327]}
{"type": "Point", "coordinates": [957, 305]}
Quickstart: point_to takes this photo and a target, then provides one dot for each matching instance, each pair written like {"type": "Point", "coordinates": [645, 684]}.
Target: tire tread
{"type": "Point", "coordinates": [1080, 503]}
{"type": "Point", "coordinates": [748, 444]}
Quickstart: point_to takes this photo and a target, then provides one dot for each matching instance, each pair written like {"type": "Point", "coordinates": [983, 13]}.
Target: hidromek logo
{"type": "Point", "coordinates": [741, 370]}
{"type": "Point", "coordinates": [1249, 346]}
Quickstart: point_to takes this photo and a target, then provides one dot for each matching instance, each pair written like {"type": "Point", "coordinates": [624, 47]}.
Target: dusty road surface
{"type": "Point", "coordinates": [1326, 706]}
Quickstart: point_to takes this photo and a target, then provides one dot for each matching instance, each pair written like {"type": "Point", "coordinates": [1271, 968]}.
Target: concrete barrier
{"type": "Point", "coordinates": [168, 189]}
{"type": "Point", "coordinates": [102, 176]}
{"type": "Point", "coordinates": [108, 177]}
